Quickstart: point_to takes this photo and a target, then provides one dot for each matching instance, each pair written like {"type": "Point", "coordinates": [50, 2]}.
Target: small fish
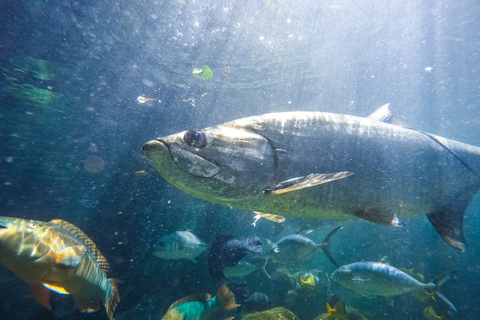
{"type": "Point", "coordinates": [227, 251]}
{"type": "Point", "coordinates": [179, 245]}
{"type": "Point", "coordinates": [296, 248]}
{"type": "Point", "coordinates": [255, 302]}
{"type": "Point", "coordinates": [202, 306]}
{"type": "Point", "coordinates": [141, 99]}
{"type": "Point", "coordinates": [309, 283]}
{"type": "Point", "coordinates": [375, 278]}
{"type": "Point", "coordinates": [57, 256]}
{"type": "Point", "coordinates": [430, 314]}
{"type": "Point", "coordinates": [338, 312]}
{"type": "Point", "coordinates": [244, 267]}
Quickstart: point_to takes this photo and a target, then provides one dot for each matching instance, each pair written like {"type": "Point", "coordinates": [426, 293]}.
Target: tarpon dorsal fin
{"type": "Point", "coordinates": [384, 114]}
{"type": "Point", "coordinates": [271, 217]}
{"type": "Point", "coordinates": [311, 180]}
{"type": "Point", "coordinates": [82, 237]}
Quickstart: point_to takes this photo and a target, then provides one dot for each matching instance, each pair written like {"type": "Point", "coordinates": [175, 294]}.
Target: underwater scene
{"type": "Point", "coordinates": [244, 159]}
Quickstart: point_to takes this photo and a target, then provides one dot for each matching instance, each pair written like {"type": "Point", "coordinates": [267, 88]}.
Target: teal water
{"type": "Point", "coordinates": [72, 129]}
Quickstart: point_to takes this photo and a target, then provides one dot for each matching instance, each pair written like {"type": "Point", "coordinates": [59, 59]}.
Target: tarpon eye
{"type": "Point", "coordinates": [195, 138]}
{"type": "Point", "coordinates": [31, 225]}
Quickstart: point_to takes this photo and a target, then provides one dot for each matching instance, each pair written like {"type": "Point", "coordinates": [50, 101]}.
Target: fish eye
{"type": "Point", "coordinates": [195, 138]}
{"type": "Point", "coordinates": [258, 243]}
{"type": "Point", "coordinates": [161, 244]}
{"type": "Point", "coordinates": [31, 225]}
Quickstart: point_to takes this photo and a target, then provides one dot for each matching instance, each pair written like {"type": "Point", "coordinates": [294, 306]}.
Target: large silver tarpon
{"type": "Point", "coordinates": [327, 166]}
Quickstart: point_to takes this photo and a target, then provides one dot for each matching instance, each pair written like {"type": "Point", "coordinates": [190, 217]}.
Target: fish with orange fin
{"type": "Point", "coordinates": [202, 306]}
{"type": "Point", "coordinates": [57, 256]}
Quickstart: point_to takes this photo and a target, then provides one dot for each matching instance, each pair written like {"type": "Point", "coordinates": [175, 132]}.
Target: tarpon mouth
{"type": "Point", "coordinates": [183, 159]}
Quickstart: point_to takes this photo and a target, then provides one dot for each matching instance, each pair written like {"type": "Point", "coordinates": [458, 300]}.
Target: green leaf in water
{"type": "Point", "coordinates": [204, 73]}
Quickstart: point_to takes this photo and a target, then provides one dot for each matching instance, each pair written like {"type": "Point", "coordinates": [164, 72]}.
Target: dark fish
{"type": "Point", "coordinates": [325, 166]}
{"type": "Point", "coordinates": [296, 248]}
{"type": "Point", "coordinates": [257, 301]}
{"type": "Point", "coordinates": [227, 251]}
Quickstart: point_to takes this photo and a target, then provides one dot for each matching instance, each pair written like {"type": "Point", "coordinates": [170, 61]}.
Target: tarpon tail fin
{"type": "Point", "coordinates": [448, 220]}
{"type": "Point", "coordinates": [326, 246]}
{"type": "Point", "coordinates": [111, 304]}
{"type": "Point", "coordinates": [437, 282]}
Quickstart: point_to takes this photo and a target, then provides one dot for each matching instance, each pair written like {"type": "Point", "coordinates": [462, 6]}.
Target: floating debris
{"type": "Point", "coordinates": [141, 99]}
{"type": "Point", "coordinates": [203, 73]}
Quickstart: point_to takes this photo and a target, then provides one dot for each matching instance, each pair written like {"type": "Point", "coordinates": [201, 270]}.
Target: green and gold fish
{"type": "Point", "coordinates": [430, 314]}
{"type": "Point", "coordinates": [202, 306]}
{"type": "Point", "coordinates": [57, 256]}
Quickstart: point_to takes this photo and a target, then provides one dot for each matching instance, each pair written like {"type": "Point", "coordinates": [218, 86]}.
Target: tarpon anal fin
{"type": "Point", "coordinates": [271, 217]}
{"type": "Point", "coordinates": [41, 295]}
{"type": "Point", "coordinates": [82, 237]}
{"type": "Point", "coordinates": [311, 180]}
{"type": "Point", "coordinates": [448, 220]}
{"type": "Point", "coordinates": [379, 216]}
{"type": "Point", "coordinates": [70, 256]}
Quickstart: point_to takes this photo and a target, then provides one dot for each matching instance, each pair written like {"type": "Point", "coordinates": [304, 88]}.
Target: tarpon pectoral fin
{"type": "Point", "coordinates": [41, 295]}
{"type": "Point", "coordinates": [70, 256]}
{"type": "Point", "coordinates": [311, 180]}
{"type": "Point", "coordinates": [379, 216]}
{"type": "Point", "coordinates": [271, 217]}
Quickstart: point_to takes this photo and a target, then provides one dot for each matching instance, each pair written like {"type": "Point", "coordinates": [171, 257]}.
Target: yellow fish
{"type": "Point", "coordinates": [57, 256]}
{"type": "Point", "coordinates": [309, 283]}
{"type": "Point", "coordinates": [338, 312]}
{"type": "Point", "coordinates": [430, 314]}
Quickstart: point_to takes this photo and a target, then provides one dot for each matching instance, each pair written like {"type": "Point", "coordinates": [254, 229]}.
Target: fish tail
{"type": "Point", "coordinates": [326, 246]}
{"type": "Point", "coordinates": [225, 298]}
{"type": "Point", "coordinates": [264, 269]}
{"type": "Point", "coordinates": [437, 282]}
{"type": "Point", "coordinates": [111, 303]}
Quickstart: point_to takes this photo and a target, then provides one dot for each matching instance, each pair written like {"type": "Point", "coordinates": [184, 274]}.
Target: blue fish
{"type": "Point", "coordinates": [227, 251]}
{"type": "Point", "coordinates": [376, 278]}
